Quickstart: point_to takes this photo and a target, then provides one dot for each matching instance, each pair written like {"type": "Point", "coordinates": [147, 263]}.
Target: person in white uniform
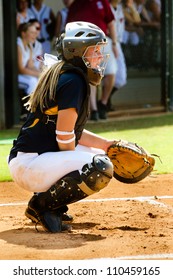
{"type": "Point", "coordinates": [23, 13]}
{"type": "Point", "coordinates": [121, 74]}
{"type": "Point", "coordinates": [27, 73]}
{"type": "Point", "coordinates": [37, 49]}
{"type": "Point", "coordinates": [46, 17]}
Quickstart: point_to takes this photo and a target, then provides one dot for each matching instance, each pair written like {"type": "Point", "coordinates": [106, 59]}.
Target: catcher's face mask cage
{"type": "Point", "coordinates": [95, 60]}
{"type": "Point", "coordinates": [75, 42]}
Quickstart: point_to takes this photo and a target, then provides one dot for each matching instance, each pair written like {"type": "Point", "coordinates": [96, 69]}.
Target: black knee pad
{"type": "Point", "coordinates": [97, 174]}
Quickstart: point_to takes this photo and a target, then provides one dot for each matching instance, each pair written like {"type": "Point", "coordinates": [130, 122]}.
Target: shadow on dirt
{"type": "Point", "coordinates": [41, 240]}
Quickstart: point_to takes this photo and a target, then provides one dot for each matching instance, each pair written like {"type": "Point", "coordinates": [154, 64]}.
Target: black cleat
{"type": "Point", "coordinates": [30, 214]}
{"type": "Point", "coordinates": [102, 109]}
{"type": "Point", "coordinates": [94, 116]}
{"type": "Point", "coordinates": [50, 220]}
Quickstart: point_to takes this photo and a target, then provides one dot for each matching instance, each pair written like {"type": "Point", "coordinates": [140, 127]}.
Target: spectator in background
{"type": "Point", "coordinates": [132, 19]}
{"type": "Point", "coordinates": [151, 28]}
{"type": "Point", "coordinates": [23, 12]}
{"type": "Point", "coordinates": [132, 31]}
{"type": "Point", "coordinates": [99, 13]}
{"type": "Point", "coordinates": [46, 17]}
{"type": "Point", "coordinates": [61, 18]}
{"type": "Point", "coordinates": [37, 48]}
{"type": "Point", "coordinates": [146, 20]}
{"type": "Point", "coordinates": [121, 75]}
{"type": "Point", "coordinates": [154, 11]}
{"type": "Point", "coordinates": [27, 72]}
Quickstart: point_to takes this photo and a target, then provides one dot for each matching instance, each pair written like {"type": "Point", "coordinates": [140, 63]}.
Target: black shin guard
{"type": "Point", "coordinates": [73, 187]}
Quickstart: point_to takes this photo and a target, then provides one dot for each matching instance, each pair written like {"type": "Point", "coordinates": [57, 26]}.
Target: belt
{"type": "Point", "coordinates": [48, 118]}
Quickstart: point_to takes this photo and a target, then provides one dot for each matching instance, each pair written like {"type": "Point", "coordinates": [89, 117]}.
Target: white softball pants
{"type": "Point", "coordinates": [37, 173]}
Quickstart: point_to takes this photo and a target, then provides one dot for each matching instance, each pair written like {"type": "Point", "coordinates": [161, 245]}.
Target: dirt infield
{"type": "Point", "coordinates": [121, 221]}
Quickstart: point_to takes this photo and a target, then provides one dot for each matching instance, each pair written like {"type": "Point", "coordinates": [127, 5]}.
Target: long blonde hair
{"type": "Point", "coordinates": [45, 89]}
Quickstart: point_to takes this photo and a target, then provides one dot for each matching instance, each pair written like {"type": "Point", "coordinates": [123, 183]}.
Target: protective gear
{"type": "Point", "coordinates": [51, 221]}
{"type": "Point", "coordinates": [96, 62]}
{"type": "Point", "coordinates": [30, 214]}
{"type": "Point", "coordinates": [71, 188]}
{"type": "Point", "coordinates": [72, 46]}
{"type": "Point", "coordinates": [131, 162]}
{"type": "Point", "coordinates": [97, 175]}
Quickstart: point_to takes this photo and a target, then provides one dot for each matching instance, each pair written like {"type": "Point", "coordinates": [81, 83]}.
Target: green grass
{"type": "Point", "coordinates": [4, 171]}
{"type": "Point", "coordinates": [153, 133]}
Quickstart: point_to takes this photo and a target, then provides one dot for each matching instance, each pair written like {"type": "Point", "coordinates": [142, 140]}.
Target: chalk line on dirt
{"type": "Point", "coordinates": [144, 257]}
{"type": "Point", "coordinates": [141, 257]}
{"type": "Point", "coordinates": [149, 199]}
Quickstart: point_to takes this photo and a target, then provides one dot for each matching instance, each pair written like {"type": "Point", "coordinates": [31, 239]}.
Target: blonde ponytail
{"type": "Point", "coordinates": [45, 89]}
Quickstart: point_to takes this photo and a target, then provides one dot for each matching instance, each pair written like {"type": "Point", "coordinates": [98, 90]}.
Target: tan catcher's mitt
{"type": "Point", "coordinates": [131, 162]}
